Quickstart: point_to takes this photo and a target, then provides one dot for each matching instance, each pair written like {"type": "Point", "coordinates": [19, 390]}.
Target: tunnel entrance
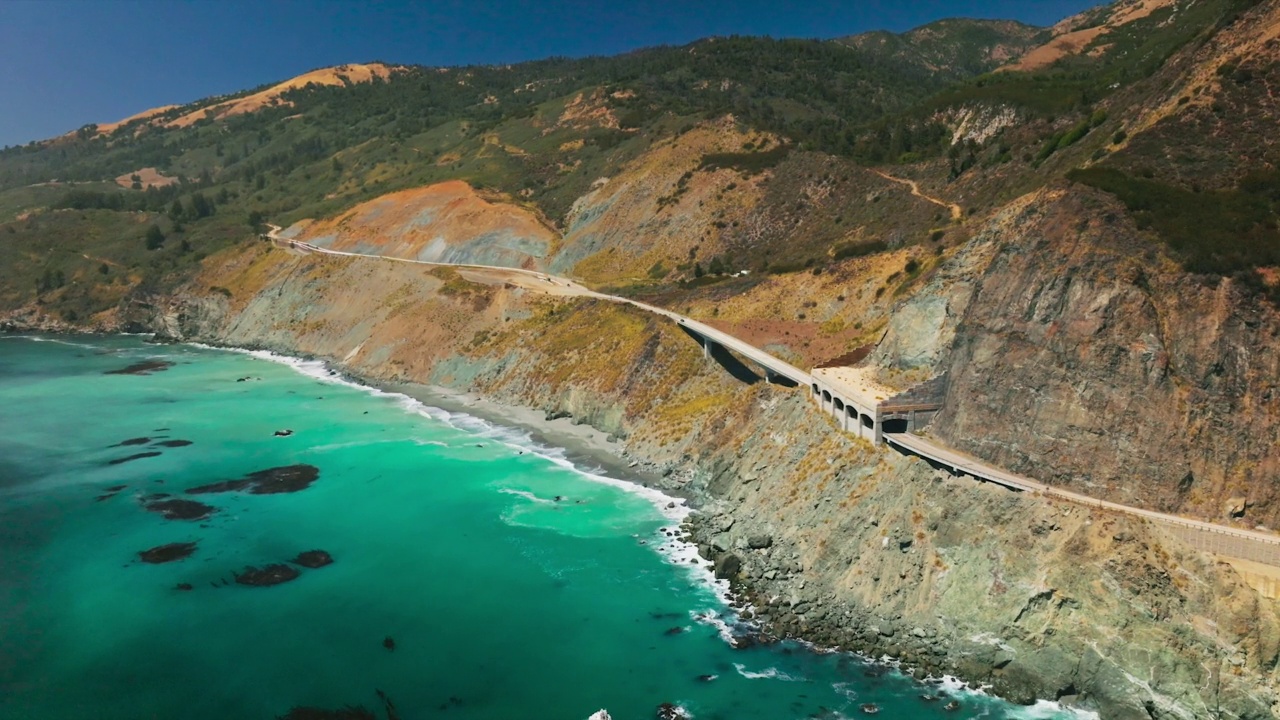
{"type": "Point", "coordinates": [897, 425]}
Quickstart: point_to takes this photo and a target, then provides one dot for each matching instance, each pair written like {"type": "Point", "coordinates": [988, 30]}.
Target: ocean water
{"type": "Point", "coordinates": [508, 583]}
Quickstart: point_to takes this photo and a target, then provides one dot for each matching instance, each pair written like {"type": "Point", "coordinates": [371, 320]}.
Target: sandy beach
{"type": "Point", "coordinates": [584, 446]}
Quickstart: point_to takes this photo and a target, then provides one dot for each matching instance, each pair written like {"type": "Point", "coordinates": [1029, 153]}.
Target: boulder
{"type": "Point", "coordinates": [728, 566]}
{"type": "Point", "coordinates": [1236, 506]}
{"type": "Point", "coordinates": [759, 542]}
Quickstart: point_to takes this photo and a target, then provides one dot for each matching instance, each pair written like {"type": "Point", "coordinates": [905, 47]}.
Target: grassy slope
{"type": "Point", "coordinates": [542, 133]}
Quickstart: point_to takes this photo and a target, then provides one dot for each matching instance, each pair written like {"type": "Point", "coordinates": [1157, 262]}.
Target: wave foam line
{"type": "Point", "coordinates": [674, 509]}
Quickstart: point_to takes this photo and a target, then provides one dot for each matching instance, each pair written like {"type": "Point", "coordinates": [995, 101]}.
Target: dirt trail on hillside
{"type": "Point", "coordinates": [956, 212]}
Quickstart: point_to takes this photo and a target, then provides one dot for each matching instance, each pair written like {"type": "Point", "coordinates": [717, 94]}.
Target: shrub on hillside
{"type": "Point", "coordinates": [1218, 232]}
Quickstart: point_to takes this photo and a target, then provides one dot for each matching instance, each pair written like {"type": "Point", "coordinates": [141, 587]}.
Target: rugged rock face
{"type": "Point", "coordinates": [1112, 372]}
{"type": "Point", "coordinates": [831, 539]}
{"type": "Point", "coordinates": [881, 553]}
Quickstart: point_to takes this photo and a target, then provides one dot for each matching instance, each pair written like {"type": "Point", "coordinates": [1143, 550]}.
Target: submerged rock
{"type": "Point", "coordinates": [290, 478]}
{"type": "Point", "coordinates": [133, 441]}
{"type": "Point", "coordinates": [173, 443]}
{"type": "Point", "coordinates": [389, 643]}
{"type": "Point", "coordinates": [145, 367]}
{"type": "Point", "coordinates": [267, 576]}
{"type": "Point", "coordinates": [184, 587]}
{"type": "Point", "coordinates": [110, 492]}
{"type": "Point", "coordinates": [167, 553]}
{"type": "Point", "coordinates": [285, 479]}
{"type": "Point", "coordinates": [179, 509]}
{"type": "Point", "coordinates": [671, 711]}
{"type": "Point", "coordinates": [136, 456]}
{"type": "Point", "coordinates": [313, 559]}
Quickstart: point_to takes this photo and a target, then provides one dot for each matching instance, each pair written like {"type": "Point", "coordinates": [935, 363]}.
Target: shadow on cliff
{"type": "Point", "coordinates": [735, 367]}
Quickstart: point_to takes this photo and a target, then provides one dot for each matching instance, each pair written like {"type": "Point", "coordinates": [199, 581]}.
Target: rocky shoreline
{"type": "Point", "coordinates": [829, 541]}
{"type": "Point", "coordinates": [760, 581]}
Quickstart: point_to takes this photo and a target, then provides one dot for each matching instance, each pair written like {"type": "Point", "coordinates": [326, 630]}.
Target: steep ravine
{"type": "Point", "coordinates": [831, 539]}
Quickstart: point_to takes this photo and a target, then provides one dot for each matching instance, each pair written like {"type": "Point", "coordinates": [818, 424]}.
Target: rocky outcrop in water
{"type": "Point", "coordinates": [167, 553]}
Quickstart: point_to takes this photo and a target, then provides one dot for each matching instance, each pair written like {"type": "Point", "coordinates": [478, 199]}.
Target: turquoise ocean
{"type": "Point", "coordinates": [475, 574]}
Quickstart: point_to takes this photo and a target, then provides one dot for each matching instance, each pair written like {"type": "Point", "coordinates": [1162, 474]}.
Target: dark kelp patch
{"type": "Point", "coordinates": [133, 441]}
{"type": "Point", "coordinates": [167, 553]}
{"type": "Point", "coordinates": [268, 575]}
{"type": "Point", "coordinates": [144, 367]}
{"type": "Point", "coordinates": [287, 479]}
{"type": "Point", "coordinates": [178, 509]}
{"type": "Point", "coordinates": [136, 456]}
{"type": "Point", "coordinates": [284, 479]}
{"type": "Point", "coordinates": [173, 443]}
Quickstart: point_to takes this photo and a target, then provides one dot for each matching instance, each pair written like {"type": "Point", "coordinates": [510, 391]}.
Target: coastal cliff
{"type": "Point", "coordinates": [825, 537]}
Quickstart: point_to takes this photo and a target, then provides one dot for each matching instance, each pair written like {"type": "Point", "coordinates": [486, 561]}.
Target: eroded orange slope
{"type": "Point", "coordinates": [445, 222]}
{"type": "Point", "coordinates": [339, 75]}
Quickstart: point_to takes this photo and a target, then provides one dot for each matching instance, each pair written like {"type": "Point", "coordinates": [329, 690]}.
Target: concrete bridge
{"type": "Point", "coordinates": [862, 407]}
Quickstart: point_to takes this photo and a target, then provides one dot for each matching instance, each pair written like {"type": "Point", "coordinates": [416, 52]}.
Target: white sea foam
{"type": "Point", "coordinates": [527, 496]}
{"type": "Point", "coordinates": [1041, 710]}
{"type": "Point", "coordinates": [766, 674]}
{"type": "Point", "coordinates": [674, 509]}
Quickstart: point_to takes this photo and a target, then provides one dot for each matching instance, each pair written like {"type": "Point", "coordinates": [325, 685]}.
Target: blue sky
{"type": "Point", "coordinates": [65, 63]}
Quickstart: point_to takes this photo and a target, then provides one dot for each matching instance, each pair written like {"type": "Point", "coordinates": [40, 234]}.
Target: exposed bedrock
{"type": "Point", "coordinates": [1110, 372]}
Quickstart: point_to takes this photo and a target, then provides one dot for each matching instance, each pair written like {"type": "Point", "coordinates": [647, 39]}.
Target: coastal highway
{"type": "Point", "coordinates": [1253, 545]}
{"type": "Point", "coordinates": [551, 284]}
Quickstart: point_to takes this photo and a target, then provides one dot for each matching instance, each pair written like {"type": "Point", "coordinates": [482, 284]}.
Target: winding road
{"type": "Point", "coordinates": [1261, 547]}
